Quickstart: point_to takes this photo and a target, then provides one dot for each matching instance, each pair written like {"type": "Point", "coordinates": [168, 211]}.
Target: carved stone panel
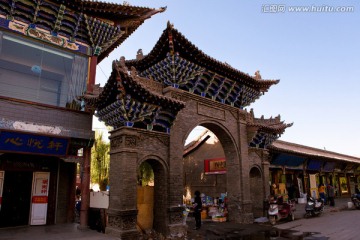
{"type": "Point", "coordinates": [176, 215]}
{"type": "Point", "coordinates": [210, 111]}
{"type": "Point", "coordinates": [129, 222]}
{"type": "Point", "coordinates": [114, 221]}
{"type": "Point", "coordinates": [116, 142]}
{"type": "Point", "coordinates": [123, 220]}
{"type": "Point", "coordinates": [130, 141]}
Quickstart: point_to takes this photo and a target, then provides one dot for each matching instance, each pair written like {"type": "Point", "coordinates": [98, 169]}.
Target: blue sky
{"type": "Point", "coordinates": [316, 56]}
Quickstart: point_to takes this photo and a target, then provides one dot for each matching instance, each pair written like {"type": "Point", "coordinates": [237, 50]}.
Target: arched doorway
{"type": "Point", "coordinates": [151, 196]}
{"type": "Point", "coordinates": [256, 191]}
{"type": "Point", "coordinates": [231, 182]}
{"type": "Point", "coordinates": [205, 171]}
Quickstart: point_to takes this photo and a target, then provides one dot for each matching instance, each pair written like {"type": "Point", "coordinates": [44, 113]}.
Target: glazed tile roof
{"type": "Point", "coordinates": [262, 132]}
{"type": "Point", "coordinates": [100, 25]}
{"type": "Point", "coordinates": [130, 98]}
{"type": "Point", "coordinates": [136, 86]}
{"type": "Point", "coordinates": [279, 146]}
{"type": "Point", "coordinates": [270, 125]}
{"type": "Point", "coordinates": [175, 61]}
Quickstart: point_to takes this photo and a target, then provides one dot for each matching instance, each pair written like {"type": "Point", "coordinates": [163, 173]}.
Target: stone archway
{"type": "Point", "coordinates": [154, 102]}
{"type": "Point", "coordinates": [257, 191]}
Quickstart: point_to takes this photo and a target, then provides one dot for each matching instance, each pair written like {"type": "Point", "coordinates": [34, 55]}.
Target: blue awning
{"type": "Point", "coordinates": [314, 165]}
{"type": "Point", "coordinates": [288, 160]}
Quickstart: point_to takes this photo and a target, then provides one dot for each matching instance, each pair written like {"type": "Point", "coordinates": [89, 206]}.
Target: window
{"type": "Point", "coordinates": [36, 72]}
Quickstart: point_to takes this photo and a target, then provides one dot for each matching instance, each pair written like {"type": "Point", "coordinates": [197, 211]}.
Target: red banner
{"type": "Point", "coordinates": [39, 199]}
{"type": "Point", "coordinates": [215, 166]}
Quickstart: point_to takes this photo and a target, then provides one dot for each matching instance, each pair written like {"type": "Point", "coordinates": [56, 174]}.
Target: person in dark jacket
{"type": "Point", "coordinates": [197, 210]}
{"type": "Point", "coordinates": [331, 194]}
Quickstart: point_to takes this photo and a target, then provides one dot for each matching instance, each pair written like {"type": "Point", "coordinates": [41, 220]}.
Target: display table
{"type": "Point", "coordinates": [219, 219]}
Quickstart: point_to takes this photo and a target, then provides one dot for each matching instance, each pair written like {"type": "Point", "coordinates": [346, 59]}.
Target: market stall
{"type": "Point", "coordinates": [213, 208]}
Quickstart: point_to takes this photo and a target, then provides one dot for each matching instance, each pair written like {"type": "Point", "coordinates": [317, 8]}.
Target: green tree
{"type": "Point", "coordinates": [100, 161]}
{"type": "Point", "coordinates": [145, 174]}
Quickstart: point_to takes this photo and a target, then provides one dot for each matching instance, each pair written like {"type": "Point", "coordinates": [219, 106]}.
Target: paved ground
{"type": "Point", "coordinates": [340, 204]}
{"type": "Point", "coordinates": [335, 223]}
{"type": "Point", "coordinates": [53, 232]}
{"type": "Point", "coordinates": [338, 223]}
{"type": "Point", "coordinates": [281, 230]}
{"type": "Point", "coordinates": [331, 225]}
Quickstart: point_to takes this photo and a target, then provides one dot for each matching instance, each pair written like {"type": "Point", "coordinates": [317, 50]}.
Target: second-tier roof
{"type": "Point", "coordinates": [175, 61]}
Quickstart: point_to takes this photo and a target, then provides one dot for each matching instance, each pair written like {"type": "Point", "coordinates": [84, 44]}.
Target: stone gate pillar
{"type": "Point", "coordinates": [266, 170]}
{"type": "Point", "coordinates": [122, 211]}
{"type": "Point", "coordinates": [85, 196]}
{"type": "Point", "coordinates": [246, 204]}
{"type": "Point", "coordinates": [176, 181]}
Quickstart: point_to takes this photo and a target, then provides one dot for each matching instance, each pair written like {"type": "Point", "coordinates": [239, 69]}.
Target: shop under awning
{"type": "Point", "coordinates": [287, 160]}
{"type": "Point", "coordinates": [314, 165]}
{"type": "Point", "coordinates": [350, 167]}
{"type": "Point", "coordinates": [328, 167]}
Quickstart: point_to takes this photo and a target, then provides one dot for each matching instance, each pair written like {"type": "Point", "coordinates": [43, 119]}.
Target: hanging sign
{"type": "Point", "coordinates": [31, 143]}
{"type": "Point", "coordinates": [215, 166]}
{"type": "Point", "coordinates": [313, 186]}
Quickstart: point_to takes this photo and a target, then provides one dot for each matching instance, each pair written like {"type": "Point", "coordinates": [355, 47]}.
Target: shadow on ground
{"type": "Point", "coordinates": [220, 231]}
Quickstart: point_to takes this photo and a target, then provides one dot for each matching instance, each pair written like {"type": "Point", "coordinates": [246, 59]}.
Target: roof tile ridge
{"type": "Point", "coordinates": [223, 64]}
{"type": "Point", "coordinates": [132, 76]}
{"type": "Point", "coordinates": [315, 149]}
{"type": "Point", "coordinates": [124, 4]}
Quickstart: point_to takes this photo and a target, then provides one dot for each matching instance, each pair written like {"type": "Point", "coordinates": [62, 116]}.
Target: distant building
{"type": "Point", "coordinates": [291, 165]}
{"type": "Point", "coordinates": [306, 167]}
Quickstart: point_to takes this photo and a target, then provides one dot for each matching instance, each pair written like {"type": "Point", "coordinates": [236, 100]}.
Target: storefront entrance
{"type": "Point", "coordinates": [15, 207]}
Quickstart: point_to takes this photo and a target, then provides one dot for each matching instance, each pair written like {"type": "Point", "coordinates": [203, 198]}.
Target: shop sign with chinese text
{"type": "Point", "coordinates": [31, 143]}
{"type": "Point", "coordinates": [215, 166]}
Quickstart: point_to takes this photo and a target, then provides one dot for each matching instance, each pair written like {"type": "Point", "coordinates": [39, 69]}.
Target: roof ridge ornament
{"type": "Point", "coordinates": [171, 42]}
{"type": "Point", "coordinates": [257, 75]}
{"type": "Point", "coordinates": [139, 54]}
{"type": "Point", "coordinates": [170, 25]}
{"type": "Point", "coordinates": [121, 64]}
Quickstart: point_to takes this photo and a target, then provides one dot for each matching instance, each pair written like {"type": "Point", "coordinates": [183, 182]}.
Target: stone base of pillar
{"type": "Point", "coordinates": [177, 230]}
{"type": "Point", "coordinates": [83, 228]}
{"type": "Point", "coordinates": [241, 212]}
{"type": "Point", "coordinates": [122, 224]}
{"type": "Point", "coordinates": [122, 234]}
{"type": "Point", "coordinates": [176, 226]}
{"type": "Point", "coordinates": [247, 218]}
